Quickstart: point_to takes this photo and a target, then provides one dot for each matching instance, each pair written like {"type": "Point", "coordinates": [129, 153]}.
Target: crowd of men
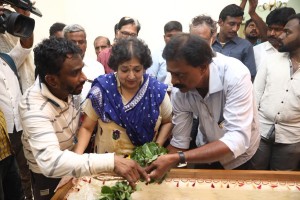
{"type": "Point", "coordinates": [235, 100]}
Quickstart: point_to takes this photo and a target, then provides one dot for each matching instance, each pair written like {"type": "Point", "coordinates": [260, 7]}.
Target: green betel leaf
{"type": "Point", "coordinates": [147, 153]}
{"type": "Point", "coordinates": [106, 190]}
{"type": "Point", "coordinates": [120, 191]}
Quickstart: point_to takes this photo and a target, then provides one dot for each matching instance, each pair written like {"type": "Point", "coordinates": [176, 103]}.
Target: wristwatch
{"type": "Point", "coordinates": [182, 161]}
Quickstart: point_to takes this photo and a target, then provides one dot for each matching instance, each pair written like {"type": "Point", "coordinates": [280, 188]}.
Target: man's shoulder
{"type": "Point", "coordinates": [32, 99]}
{"type": "Point", "coordinates": [230, 66]}
{"type": "Point", "coordinates": [242, 42]}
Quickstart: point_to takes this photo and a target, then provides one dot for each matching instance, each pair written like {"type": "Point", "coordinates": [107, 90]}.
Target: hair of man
{"type": "Point", "coordinates": [193, 49]}
{"type": "Point", "coordinates": [50, 55]}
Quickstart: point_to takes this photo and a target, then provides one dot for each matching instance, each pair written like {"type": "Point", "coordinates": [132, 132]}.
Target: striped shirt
{"type": "Point", "coordinates": [4, 141]}
{"type": "Point", "coordinates": [50, 127]}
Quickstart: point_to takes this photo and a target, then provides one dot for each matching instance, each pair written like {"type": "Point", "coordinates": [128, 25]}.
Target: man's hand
{"type": "Point", "coordinates": [130, 170]}
{"type": "Point", "coordinates": [1, 9]}
{"type": "Point", "coordinates": [162, 165]}
{"type": "Point", "coordinates": [252, 6]}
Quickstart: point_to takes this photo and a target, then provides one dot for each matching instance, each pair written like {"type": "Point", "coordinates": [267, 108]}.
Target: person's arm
{"type": "Point", "coordinates": [261, 25]}
{"type": "Point", "coordinates": [208, 153]}
{"type": "Point", "coordinates": [260, 81]}
{"type": "Point", "coordinates": [238, 115]}
{"type": "Point", "coordinates": [243, 4]}
{"type": "Point", "coordinates": [249, 60]}
{"type": "Point", "coordinates": [84, 135]}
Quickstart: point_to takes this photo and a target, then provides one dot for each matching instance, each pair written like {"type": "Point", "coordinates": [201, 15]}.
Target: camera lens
{"type": "Point", "coordinates": [17, 24]}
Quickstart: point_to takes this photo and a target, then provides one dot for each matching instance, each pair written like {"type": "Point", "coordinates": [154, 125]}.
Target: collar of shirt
{"type": "Point", "coordinates": [234, 40]}
{"type": "Point", "coordinates": [56, 101]}
{"type": "Point", "coordinates": [215, 84]}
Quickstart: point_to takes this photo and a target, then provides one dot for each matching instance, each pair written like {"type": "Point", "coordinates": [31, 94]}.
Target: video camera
{"type": "Point", "coordinates": [15, 23]}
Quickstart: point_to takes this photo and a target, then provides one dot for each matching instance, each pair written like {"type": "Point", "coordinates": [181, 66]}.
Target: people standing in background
{"type": "Point", "coordinates": [276, 21]}
{"type": "Point", "coordinates": [158, 68]}
{"type": "Point", "coordinates": [126, 27]}
{"type": "Point", "coordinates": [50, 118]}
{"type": "Point", "coordinates": [11, 89]}
{"type": "Point", "coordinates": [251, 32]}
{"type": "Point", "coordinates": [10, 181]}
{"type": "Point", "coordinates": [229, 43]}
{"type": "Point", "coordinates": [101, 43]}
{"type": "Point", "coordinates": [92, 69]}
{"type": "Point", "coordinates": [277, 96]}
{"type": "Point", "coordinates": [56, 30]}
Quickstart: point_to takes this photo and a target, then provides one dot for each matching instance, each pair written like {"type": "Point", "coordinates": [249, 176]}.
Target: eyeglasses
{"type": "Point", "coordinates": [79, 42]}
{"type": "Point", "coordinates": [128, 34]}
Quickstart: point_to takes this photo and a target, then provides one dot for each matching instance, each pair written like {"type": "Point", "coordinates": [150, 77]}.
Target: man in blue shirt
{"type": "Point", "coordinates": [228, 42]}
{"type": "Point", "coordinates": [159, 69]}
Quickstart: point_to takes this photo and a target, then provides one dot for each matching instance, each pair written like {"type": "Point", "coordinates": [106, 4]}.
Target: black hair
{"type": "Point", "coordinates": [116, 28]}
{"type": "Point", "coordinates": [172, 26]}
{"type": "Point", "coordinates": [55, 28]}
{"type": "Point", "coordinates": [295, 16]}
{"type": "Point", "coordinates": [231, 10]}
{"type": "Point", "coordinates": [128, 20]}
{"type": "Point", "coordinates": [127, 48]}
{"type": "Point", "coordinates": [248, 22]}
{"type": "Point", "coordinates": [193, 49]}
{"type": "Point", "coordinates": [279, 16]}
{"type": "Point", "coordinates": [50, 54]}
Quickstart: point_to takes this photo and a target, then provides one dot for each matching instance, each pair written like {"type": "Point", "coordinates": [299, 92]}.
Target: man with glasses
{"type": "Point", "coordinates": [126, 27]}
{"type": "Point", "coordinates": [92, 69]}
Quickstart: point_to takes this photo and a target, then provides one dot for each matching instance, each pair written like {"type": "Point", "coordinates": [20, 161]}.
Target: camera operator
{"type": "Point", "coordinates": [10, 94]}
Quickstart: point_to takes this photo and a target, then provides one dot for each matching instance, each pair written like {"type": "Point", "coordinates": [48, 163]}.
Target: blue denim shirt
{"type": "Point", "coordinates": [240, 49]}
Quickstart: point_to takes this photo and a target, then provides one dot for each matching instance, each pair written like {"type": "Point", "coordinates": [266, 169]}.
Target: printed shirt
{"type": "Point", "coordinates": [10, 92]}
{"type": "Point", "coordinates": [5, 150]}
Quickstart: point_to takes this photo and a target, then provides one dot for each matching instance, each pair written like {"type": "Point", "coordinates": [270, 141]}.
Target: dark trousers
{"type": "Point", "coordinates": [10, 182]}
{"type": "Point", "coordinates": [42, 186]}
{"type": "Point", "coordinates": [17, 146]}
{"type": "Point", "coordinates": [276, 156]}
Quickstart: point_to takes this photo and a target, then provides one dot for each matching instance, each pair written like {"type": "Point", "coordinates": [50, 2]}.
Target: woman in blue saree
{"type": "Point", "coordinates": [130, 107]}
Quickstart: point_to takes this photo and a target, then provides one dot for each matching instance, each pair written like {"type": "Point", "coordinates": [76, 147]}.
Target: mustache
{"type": "Point", "coordinates": [179, 86]}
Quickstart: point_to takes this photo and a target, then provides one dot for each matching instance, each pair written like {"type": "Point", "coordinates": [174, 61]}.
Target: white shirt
{"type": "Point", "coordinates": [49, 131]}
{"type": "Point", "coordinates": [260, 52]}
{"type": "Point", "coordinates": [278, 98]}
{"type": "Point", "coordinates": [158, 69]}
{"type": "Point", "coordinates": [92, 69]}
{"type": "Point", "coordinates": [10, 93]}
{"type": "Point", "coordinates": [230, 99]}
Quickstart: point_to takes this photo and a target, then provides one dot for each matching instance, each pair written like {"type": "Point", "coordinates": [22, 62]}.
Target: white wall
{"type": "Point", "coordinates": [98, 17]}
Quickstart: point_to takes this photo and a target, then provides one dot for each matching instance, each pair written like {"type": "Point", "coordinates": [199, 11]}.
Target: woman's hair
{"type": "Point", "coordinates": [126, 49]}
